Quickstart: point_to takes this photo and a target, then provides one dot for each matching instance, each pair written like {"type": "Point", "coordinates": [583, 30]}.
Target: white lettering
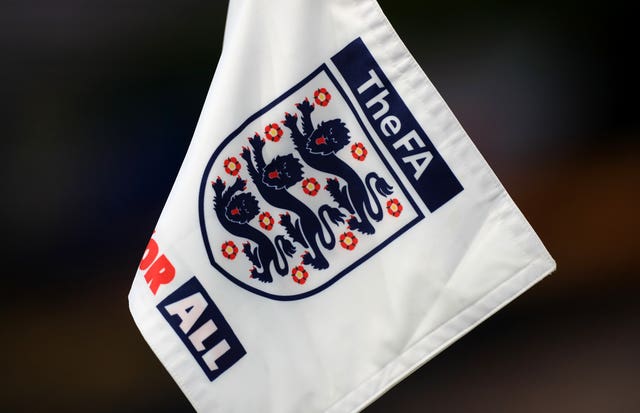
{"type": "Point", "coordinates": [406, 141]}
{"type": "Point", "coordinates": [419, 161]}
{"type": "Point", "coordinates": [189, 309]}
{"type": "Point", "coordinates": [201, 334]}
{"type": "Point", "coordinates": [379, 98]}
{"type": "Point", "coordinates": [215, 353]}
{"type": "Point", "coordinates": [390, 125]}
{"type": "Point", "coordinates": [374, 80]}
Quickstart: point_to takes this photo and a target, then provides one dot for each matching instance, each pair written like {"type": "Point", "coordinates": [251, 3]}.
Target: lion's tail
{"type": "Point", "coordinates": [285, 249]}
{"type": "Point", "coordinates": [334, 216]}
{"type": "Point", "coordinates": [382, 188]}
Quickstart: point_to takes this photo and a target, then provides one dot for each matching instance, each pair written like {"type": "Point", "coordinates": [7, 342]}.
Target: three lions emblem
{"type": "Point", "coordinates": [300, 195]}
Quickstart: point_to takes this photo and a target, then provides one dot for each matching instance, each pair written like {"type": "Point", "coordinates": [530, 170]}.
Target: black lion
{"type": "Point", "coordinates": [328, 138]}
{"type": "Point", "coordinates": [282, 172]}
{"type": "Point", "coordinates": [242, 208]}
{"type": "Point", "coordinates": [235, 211]}
{"type": "Point", "coordinates": [272, 181]}
{"type": "Point", "coordinates": [318, 147]}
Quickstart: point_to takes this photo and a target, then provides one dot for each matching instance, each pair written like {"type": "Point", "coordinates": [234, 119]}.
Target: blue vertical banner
{"type": "Point", "coordinates": [399, 131]}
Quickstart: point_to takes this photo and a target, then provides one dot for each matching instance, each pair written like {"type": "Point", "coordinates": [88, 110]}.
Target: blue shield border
{"type": "Point", "coordinates": [234, 134]}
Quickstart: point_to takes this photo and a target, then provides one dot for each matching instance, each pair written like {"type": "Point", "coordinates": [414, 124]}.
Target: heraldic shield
{"type": "Point", "coordinates": [302, 193]}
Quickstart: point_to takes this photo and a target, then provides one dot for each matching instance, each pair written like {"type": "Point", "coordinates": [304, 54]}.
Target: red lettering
{"type": "Point", "coordinates": [161, 272]}
{"type": "Point", "coordinates": [150, 255]}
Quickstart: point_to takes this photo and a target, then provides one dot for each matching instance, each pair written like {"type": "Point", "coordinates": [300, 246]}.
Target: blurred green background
{"type": "Point", "coordinates": [100, 102]}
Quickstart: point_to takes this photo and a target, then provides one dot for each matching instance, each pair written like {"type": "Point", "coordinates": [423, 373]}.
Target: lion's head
{"type": "Point", "coordinates": [242, 208]}
{"type": "Point", "coordinates": [329, 137]}
{"type": "Point", "coordinates": [282, 172]}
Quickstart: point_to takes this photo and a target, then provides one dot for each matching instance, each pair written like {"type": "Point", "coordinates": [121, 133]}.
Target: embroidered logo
{"type": "Point", "coordinates": [309, 188]}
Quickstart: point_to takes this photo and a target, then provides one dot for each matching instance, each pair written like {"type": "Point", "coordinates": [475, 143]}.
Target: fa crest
{"type": "Point", "coordinates": [302, 192]}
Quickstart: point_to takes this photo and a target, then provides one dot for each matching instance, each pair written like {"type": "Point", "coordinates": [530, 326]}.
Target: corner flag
{"type": "Point", "coordinates": [332, 227]}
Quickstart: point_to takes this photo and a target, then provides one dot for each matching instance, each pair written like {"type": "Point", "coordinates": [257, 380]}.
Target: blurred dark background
{"type": "Point", "coordinates": [100, 100]}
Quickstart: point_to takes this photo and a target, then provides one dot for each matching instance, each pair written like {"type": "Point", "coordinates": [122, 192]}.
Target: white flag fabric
{"type": "Point", "coordinates": [332, 227]}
